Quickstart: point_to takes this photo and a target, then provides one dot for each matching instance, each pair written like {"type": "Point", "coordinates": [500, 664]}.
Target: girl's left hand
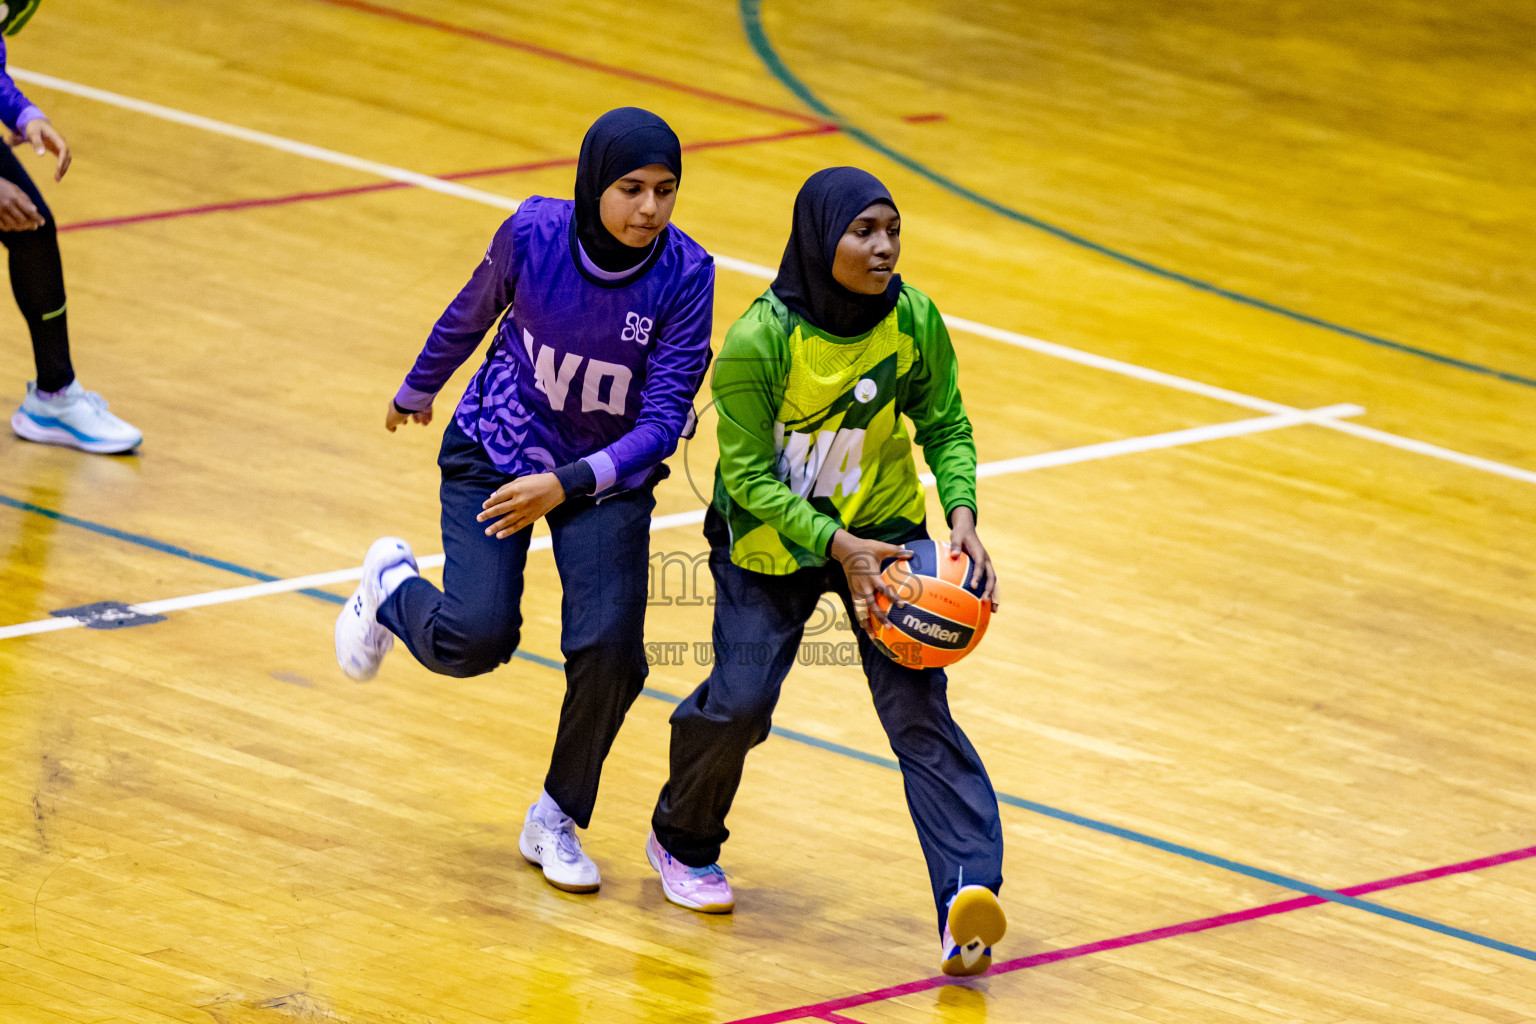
{"type": "Point", "coordinates": [962, 537]}
{"type": "Point", "coordinates": [45, 138]}
{"type": "Point", "coordinates": [520, 503]}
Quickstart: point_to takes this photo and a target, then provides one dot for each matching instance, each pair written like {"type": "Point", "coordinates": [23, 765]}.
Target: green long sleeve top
{"type": "Point", "coordinates": [812, 436]}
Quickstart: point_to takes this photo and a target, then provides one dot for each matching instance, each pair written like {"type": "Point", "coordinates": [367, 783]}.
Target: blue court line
{"type": "Point", "coordinates": [156, 545]}
{"type": "Point", "coordinates": [1274, 878]}
{"type": "Point", "coordinates": [858, 755]}
{"type": "Point", "coordinates": [216, 563]}
{"type": "Point", "coordinates": [558, 666]}
{"type": "Point", "coordinates": [757, 37]}
{"type": "Point", "coordinates": [1266, 876]}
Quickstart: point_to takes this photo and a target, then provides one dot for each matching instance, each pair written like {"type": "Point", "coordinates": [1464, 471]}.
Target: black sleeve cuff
{"type": "Point", "coordinates": [830, 538]}
{"type": "Point", "coordinates": [402, 410]}
{"type": "Point", "coordinates": [576, 478]}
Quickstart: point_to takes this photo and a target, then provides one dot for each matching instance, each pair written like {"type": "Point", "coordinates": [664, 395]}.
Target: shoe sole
{"type": "Point", "coordinates": [955, 967]}
{"type": "Point", "coordinates": [976, 915]}
{"type": "Point", "coordinates": [702, 908]}
{"type": "Point", "coordinates": [30, 431]}
{"type": "Point", "coordinates": [573, 887]}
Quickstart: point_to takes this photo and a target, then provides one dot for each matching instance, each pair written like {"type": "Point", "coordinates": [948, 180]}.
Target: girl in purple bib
{"type": "Point", "coordinates": [605, 313]}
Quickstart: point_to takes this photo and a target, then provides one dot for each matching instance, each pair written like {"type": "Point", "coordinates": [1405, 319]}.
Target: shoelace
{"type": "Point", "coordinates": [95, 401]}
{"type": "Point", "coordinates": [706, 871]}
{"type": "Point", "coordinates": [566, 843]}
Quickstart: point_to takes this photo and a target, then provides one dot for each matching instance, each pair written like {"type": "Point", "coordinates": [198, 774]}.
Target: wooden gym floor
{"type": "Point", "coordinates": [1258, 702]}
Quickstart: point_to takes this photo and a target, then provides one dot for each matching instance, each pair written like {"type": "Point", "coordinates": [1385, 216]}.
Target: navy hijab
{"type": "Point", "coordinates": [620, 141]}
{"type": "Point", "coordinates": [828, 202]}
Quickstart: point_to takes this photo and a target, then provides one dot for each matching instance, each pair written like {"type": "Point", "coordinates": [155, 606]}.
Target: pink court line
{"type": "Point", "coordinates": [568, 58]}
{"type": "Point", "coordinates": [828, 1010]}
{"type": "Point", "coordinates": [389, 186]}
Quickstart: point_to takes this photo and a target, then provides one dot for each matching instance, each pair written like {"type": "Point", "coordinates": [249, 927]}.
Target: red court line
{"type": "Point", "coordinates": [567, 58]}
{"type": "Point", "coordinates": [828, 1010]}
{"type": "Point", "coordinates": [233, 204]}
{"type": "Point", "coordinates": [387, 186]}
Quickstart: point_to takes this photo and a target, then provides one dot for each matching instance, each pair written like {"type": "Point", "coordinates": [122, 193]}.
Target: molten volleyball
{"type": "Point", "coordinates": [944, 616]}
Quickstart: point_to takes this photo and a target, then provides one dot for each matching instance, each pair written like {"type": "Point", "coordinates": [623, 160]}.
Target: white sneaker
{"type": "Point", "coordinates": [361, 642]}
{"type": "Point", "coordinates": [975, 923]}
{"type": "Point", "coordinates": [78, 418]}
{"type": "Point", "coordinates": [559, 853]}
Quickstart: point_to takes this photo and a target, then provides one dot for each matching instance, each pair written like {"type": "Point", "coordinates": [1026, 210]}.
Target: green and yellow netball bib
{"type": "Point", "coordinates": [825, 418]}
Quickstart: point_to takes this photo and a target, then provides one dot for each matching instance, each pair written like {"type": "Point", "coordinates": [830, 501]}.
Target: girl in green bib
{"type": "Point", "coordinates": [816, 487]}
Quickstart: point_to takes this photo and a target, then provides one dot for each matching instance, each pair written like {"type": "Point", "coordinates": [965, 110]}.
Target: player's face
{"type": "Point", "coordinates": [637, 206]}
{"type": "Point", "coordinates": [867, 253]}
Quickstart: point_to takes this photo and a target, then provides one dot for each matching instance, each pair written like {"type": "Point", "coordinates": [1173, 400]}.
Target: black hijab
{"type": "Point", "coordinates": [620, 141]}
{"type": "Point", "coordinates": [828, 202]}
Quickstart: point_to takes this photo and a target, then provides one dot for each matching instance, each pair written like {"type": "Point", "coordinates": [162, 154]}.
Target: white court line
{"type": "Point", "coordinates": [1043, 460]}
{"type": "Point", "coordinates": [1434, 451]}
{"type": "Point", "coordinates": [234, 131]}
{"type": "Point", "coordinates": [1172, 439]}
{"type": "Point", "coordinates": [1037, 345]}
{"type": "Point", "coordinates": [1013, 338]}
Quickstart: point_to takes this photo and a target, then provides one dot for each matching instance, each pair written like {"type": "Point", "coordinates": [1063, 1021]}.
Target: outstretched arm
{"type": "Point", "coordinates": [457, 332]}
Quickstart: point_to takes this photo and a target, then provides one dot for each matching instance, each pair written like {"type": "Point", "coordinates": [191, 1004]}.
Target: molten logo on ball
{"type": "Point", "coordinates": [929, 629]}
{"type": "Point", "coordinates": [943, 616]}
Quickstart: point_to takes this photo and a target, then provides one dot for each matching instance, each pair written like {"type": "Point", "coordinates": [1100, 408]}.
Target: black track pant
{"type": "Point", "coordinates": [37, 278]}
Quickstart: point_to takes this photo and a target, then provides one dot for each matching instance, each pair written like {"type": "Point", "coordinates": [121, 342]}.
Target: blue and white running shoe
{"type": "Point", "coordinates": [76, 419]}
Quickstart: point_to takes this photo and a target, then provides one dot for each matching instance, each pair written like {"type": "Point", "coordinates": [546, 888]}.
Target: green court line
{"type": "Point", "coordinates": [757, 37]}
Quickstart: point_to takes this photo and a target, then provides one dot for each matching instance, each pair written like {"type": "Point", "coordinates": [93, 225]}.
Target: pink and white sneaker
{"type": "Point", "coordinates": [975, 923]}
{"type": "Point", "coordinates": [701, 889]}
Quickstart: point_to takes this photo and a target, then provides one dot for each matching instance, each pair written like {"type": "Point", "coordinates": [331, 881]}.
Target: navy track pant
{"type": "Point", "coordinates": [759, 620]}
{"type": "Point", "coordinates": [602, 550]}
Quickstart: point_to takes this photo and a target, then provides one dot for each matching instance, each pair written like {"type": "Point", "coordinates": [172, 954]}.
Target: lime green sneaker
{"type": "Point", "coordinates": [14, 15]}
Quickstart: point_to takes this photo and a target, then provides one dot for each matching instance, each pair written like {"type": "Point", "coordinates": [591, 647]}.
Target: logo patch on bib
{"type": "Point", "coordinates": [865, 390]}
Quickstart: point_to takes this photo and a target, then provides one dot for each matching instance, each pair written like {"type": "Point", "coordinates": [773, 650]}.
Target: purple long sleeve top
{"type": "Point", "coordinates": [15, 109]}
{"type": "Point", "coordinates": [582, 368]}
